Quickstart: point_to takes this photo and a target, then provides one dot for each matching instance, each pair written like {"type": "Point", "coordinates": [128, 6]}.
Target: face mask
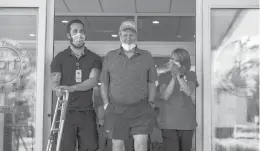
{"type": "Point", "coordinates": [128, 47]}
{"type": "Point", "coordinates": [170, 63]}
{"type": "Point", "coordinates": [78, 40]}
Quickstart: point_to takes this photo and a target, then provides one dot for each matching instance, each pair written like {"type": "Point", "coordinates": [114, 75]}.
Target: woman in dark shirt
{"type": "Point", "coordinates": [177, 111]}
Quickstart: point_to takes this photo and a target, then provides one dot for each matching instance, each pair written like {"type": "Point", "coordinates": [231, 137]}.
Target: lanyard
{"type": "Point", "coordinates": [77, 64]}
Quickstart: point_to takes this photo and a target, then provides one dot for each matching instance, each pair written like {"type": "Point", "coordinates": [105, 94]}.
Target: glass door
{"type": "Point", "coordinates": [18, 79]}
{"type": "Point", "coordinates": [235, 49]}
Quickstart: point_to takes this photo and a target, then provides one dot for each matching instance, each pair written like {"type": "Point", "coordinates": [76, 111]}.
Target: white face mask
{"type": "Point", "coordinates": [78, 40]}
{"type": "Point", "coordinates": [128, 47]}
{"type": "Point", "coordinates": [171, 62]}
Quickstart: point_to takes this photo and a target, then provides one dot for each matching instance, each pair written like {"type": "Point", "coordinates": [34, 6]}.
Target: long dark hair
{"type": "Point", "coordinates": [184, 59]}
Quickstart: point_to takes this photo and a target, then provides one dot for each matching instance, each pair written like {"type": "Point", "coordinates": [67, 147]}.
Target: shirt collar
{"type": "Point", "coordinates": [71, 53]}
{"type": "Point", "coordinates": [121, 51]}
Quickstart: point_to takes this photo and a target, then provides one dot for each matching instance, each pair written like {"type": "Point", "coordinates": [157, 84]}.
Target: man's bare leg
{"type": "Point", "coordinates": [118, 145]}
{"type": "Point", "coordinates": [140, 142]}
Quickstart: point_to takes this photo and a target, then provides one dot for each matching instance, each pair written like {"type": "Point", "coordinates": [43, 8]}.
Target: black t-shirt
{"type": "Point", "coordinates": [66, 62]}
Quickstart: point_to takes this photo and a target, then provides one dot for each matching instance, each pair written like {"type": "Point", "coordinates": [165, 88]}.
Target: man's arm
{"type": "Point", "coordinates": [89, 83]}
{"type": "Point", "coordinates": [55, 83]}
{"type": "Point", "coordinates": [55, 80]}
{"type": "Point", "coordinates": [104, 93]}
{"type": "Point", "coordinates": [151, 92]}
{"type": "Point", "coordinates": [105, 80]}
{"type": "Point", "coordinates": [152, 78]}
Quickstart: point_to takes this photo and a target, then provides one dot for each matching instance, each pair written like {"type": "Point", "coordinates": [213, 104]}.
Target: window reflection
{"type": "Point", "coordinates": [18, 80]}
{"type": "Point", "coordinates": [235, 79]}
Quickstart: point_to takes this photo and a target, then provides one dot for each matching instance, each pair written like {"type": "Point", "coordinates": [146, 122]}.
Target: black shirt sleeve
{"type": "Point", "coordinates": [193, 78]}
{"type": "Point", "coordinates": [56, 63]}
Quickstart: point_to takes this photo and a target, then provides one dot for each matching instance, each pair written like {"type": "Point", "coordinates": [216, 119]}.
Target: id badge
{"type": "Point", "coordinates": [78, 76]}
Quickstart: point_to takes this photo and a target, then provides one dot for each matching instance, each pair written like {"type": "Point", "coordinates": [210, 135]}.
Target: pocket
{"type": "Point", "coordinates": [150, 110]}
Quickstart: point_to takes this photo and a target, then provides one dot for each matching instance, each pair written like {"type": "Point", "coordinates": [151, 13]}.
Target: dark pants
{"type": "Point", "coordinates": [177, 140]}
{"type": "Point", "coordinates": [81, 127]}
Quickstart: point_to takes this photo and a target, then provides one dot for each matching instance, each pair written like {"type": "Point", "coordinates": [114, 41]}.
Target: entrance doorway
{"type": "Point", "coordinates": [162, 27]}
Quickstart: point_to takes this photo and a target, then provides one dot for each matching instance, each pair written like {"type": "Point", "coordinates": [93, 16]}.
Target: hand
{"type": "Point", "coordinates": [68, 88]}
{"type": "Point", "coordinates": [175, 70]}
{"type": "Point", "coordinates": [152, 104]}
{"type": "Point", "coordinates": [155, 108]}
{"type": "Point", "coordinates": [162, 89]}
{"type": "Point", "coordinates": [58, 92]}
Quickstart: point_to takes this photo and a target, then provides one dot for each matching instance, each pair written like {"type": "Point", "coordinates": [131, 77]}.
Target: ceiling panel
{"type": "Point", "coordinates": [153, 6]}
{"type": "Point", "coordinates": [60, 7]}
{"type": "Point", "coordinates": [97, 28]}
{"type": "Point", "coordinates": [118, 6]}
{"type": "Point", "coordinates": [102, 28]}
{"type": "Point", "coordinates": [83, 6]}
{"type": "Point", "coordinates": [183, 7]}
{"type": "Point", "coordinates": [169, 28]}
{"type": "Point", "coordinates": [126, 6]}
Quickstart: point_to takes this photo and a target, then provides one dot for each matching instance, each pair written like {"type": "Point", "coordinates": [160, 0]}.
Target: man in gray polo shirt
{"type": "Point", "coordinates": [128, 91]}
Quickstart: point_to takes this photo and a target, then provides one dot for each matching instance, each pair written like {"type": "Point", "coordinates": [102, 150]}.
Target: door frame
{"type": "Point", "coordinates": [204, 17]}
{"type": "Point", "coordinates": [40, 5]}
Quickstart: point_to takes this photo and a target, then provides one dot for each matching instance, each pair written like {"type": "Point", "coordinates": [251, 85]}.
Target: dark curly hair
{"type": "Point", "coordinates": [72, 22]}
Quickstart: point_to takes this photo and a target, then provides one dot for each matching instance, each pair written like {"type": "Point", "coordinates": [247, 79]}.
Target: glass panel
{"type": "Point", "coordinates": [97, 28]}
{"type": "Point", "coordinates": [235, 79]}
{"type": "Point", "coordinates": [166, 28]}
{"type": "Point", "coordinates": [18, 54]}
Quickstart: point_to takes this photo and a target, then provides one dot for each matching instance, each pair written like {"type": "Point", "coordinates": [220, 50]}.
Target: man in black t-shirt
{"type": "Point", "coordinates": [77, 69]}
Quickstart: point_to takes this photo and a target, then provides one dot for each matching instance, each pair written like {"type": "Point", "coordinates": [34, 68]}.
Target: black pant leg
{"type": "Point", "coordinates": [68, 141]}
{"type": "Point", "coordinates": [170, 140]}
{"type": "Point", "coordinates": [186, 140]}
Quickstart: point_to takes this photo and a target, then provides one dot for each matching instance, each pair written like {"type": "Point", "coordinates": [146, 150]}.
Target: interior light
{"type": "Point", "coordinates": [114, 35]}
{"type": "Point", "coordinates": [156, 22]}
{"type": "Point", "coordinates": [194, 36]}
{"type": "Point", "coordinates": [32, 35]}
{"type": "Point", "coordinates": [179, 36]}
{"type": "Point", "coordinates": [65, 21]}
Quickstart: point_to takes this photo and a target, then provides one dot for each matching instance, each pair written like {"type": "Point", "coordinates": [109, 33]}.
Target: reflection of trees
{"type": "Point", "coordinates": [241, 70]}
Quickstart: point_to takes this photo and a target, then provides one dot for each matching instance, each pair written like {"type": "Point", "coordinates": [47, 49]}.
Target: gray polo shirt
{"type": "Point", "coordinates": [128, 79]}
